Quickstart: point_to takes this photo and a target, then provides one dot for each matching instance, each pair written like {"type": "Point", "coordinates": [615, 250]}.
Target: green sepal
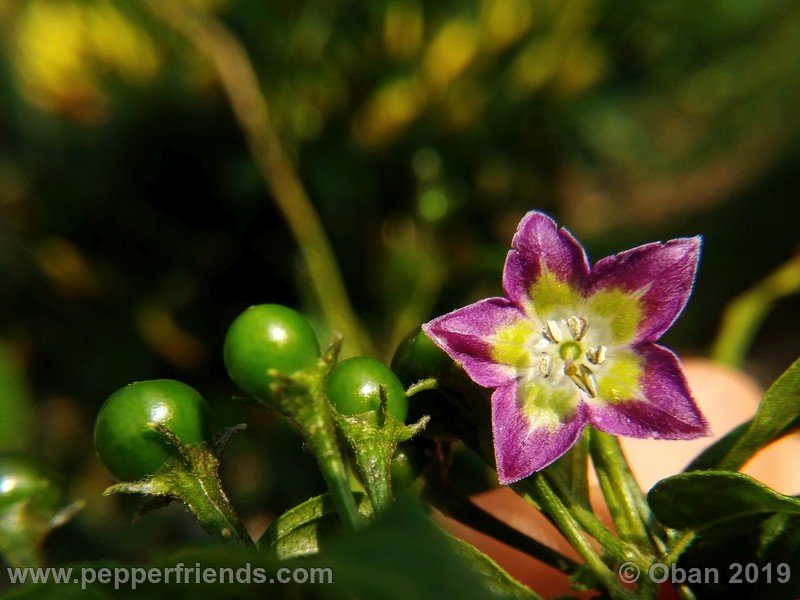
{"type": "Point", "coordinates": [191, 476]}
{"type": "Point", "coordinates": [372, 439]}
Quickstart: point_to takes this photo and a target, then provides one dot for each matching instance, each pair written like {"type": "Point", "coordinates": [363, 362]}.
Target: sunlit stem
{"type": "Point", "coordinates": [624, 497]}
{"type": "Point", "coordinates": [191, 476]}
{"type": "Point", "coordinates": [238, 78]}
{"type": "Point", "coordinates": [305, 403]}
{"type": "Point", "coordinates": [374, 469]}
{"type": "Point", "coordinates": [209, 503]}
{"type": "Point", "coordinates": [302, 398]}
{"type": "Point", "coordinates": [431, 383]}
{"type": "Point", "coordinates": [539, 491]}
{"type": "Point", "coordinates": [320, 435]}
{"type": "Point", "coordinates": [621, 550]}
{"type": "Point", "coordinates": [743, 316]}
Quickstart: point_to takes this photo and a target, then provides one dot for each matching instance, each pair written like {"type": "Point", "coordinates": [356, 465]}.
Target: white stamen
{"type": "Point", "coordinates": [596, 356]}
{"type": "Point", "coordinates": [545, 364]}
{"type": "Point", "coordinates": [577, 327]}
{"type": "Point", "coordinates": [584, 327]}
{"type": "Point", "coordinates": [574, 325]}
{"type": "Point", "coordinates": [600, 355]}
{"type": "Point", "coordinates": [554, 332]}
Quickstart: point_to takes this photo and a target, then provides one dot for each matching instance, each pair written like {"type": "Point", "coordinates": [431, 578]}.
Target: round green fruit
{"type": "Point", "coordinates": [354, 388]}
{"type": "Point", "coordinates": [123, 434]}
{"type": "Point", "coordinates": [265, 337]}
{"type": "Point", "coordinates": [417, 358]}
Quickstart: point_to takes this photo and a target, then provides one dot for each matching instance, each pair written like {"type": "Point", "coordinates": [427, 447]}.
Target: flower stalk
{"type": "Point", "coordinates": [542, 494]}
{"type": "Point", "coordinates": [623, 495]}
{"type": "Point", "coordinates": [302, 398]}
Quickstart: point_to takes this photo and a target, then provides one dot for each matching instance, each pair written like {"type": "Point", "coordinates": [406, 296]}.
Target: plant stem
{"type": "Point", "coordinates": [679, 547]}
{"type": "Point", "coordinates": [431, 383]}
{"type": "Point", "coordinates": [457, 506]}
{"type": "Point", "coordinates": [591, 524]}
{"type": "Point", "coordinates": [544, 495]}
{"type": "Point", "coordinates": [310, 411]}
{"type": "Point", "coordinates": [746, 312]}
{"type": "Point", "coordinates": [321, 438]}
{"type": "Point", "coordinates": [623, 495]}
{"type": "Point", "coordinates": [372, 458]}
{"type": "Point", "coordinates": [192, 477]}
{"type": "Point", "coordinates": [238, 78]}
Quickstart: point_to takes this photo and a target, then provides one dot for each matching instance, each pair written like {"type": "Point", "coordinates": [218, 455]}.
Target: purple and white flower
{"type": "Point", "coordinates": [571, 345]}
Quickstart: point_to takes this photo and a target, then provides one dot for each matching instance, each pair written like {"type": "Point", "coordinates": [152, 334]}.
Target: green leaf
{"type": "Point", "coordinates": [298, 531]}
{"type": "Point", "coordinates": [402, 554]}
{"type": "Point", "coordinates": [712, 456]}
{"type": "Point", "coordinates": [779, 543]}
{"type": "Point", "coordinates": [497, 579]}
{"type": "Point", "coordinates": [700, 499]}
{"type": "Point", "coordinates": [765, 540]}
{"type": "Point", "coordinates": [734, 520]}
{"type": "Point", "coordinates": [778, 413]}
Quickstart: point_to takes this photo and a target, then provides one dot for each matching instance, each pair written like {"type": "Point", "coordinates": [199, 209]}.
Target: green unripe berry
{"type": "Point", "coordinates": [265, 337]}
{"type": "Point", "coordinates": [354, 388]}
{"type": "Point", "coordinates": [123, 435]}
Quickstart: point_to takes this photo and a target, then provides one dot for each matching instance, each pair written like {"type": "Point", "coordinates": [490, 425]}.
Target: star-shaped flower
{"type": "Point", "coordinates": [572, 345]}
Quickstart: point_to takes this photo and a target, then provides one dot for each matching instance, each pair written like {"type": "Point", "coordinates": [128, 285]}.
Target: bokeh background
{"type": "Point", "coordinates": [136, 221]}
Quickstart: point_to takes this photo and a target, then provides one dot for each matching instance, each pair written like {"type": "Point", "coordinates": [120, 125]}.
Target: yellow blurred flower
{"type": "Point", "coordinates": [62, 49]}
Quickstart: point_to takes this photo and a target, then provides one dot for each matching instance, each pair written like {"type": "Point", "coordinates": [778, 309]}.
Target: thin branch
{"type": "Point", "coordinates": [238, 78]}
{"type": "Point", "coordinates": [747, 311]}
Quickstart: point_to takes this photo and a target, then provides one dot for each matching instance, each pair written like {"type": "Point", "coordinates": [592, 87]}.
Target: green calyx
{"type": "Point", "coordinates": [372, 438]}
{"type": "Point", "coordinates": [192, 477]}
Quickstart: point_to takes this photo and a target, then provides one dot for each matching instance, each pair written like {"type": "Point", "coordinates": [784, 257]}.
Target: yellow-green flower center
{"type": "Point", "coordinates": [558, 353]}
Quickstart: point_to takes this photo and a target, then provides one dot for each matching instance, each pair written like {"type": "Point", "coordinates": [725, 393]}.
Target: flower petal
{"type": "Point", "coordinates": [533, 425]}
{"type": "Point", "coordinates": [662, 408]}
{"type": "Point", "coordinates": [468, 336]}
{"type": "Point", "coordinates": [643, 290]}
{"type": "Point", "coordinates": [546, 268]}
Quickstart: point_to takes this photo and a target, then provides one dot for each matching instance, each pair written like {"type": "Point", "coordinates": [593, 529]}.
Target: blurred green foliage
{"type": "Point", "coordinates": [134, 225]}
{"type": "Point", "coordinates": [16, 426]}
